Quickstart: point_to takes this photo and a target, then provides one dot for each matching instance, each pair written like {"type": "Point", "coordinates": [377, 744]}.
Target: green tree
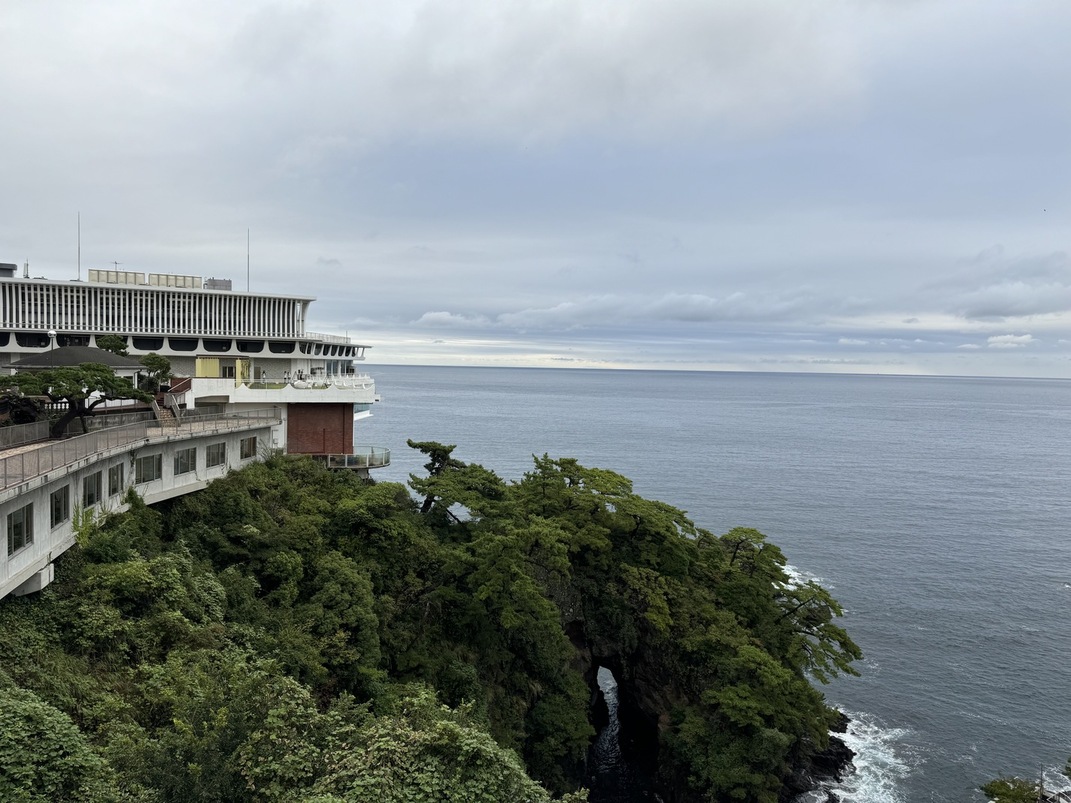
{"type": "Point", "coordinates": [221, 726]}
{"type": "Point", "coordinates": [82, 388]}
{"type": "Point", "coordinates": [1012, 790]}
{"type": "Point", "coordinates": [451, 482]}
{"type": "Point", "coordinates": [113, 343]}
{"type": "Point", "coordinates": [707, 634]}
{"type": "Point", "coordinates": [823, 648]}
{"type": "Point", "coordinates": [43, 755]}
{"type": "Point", "coordinates": [18, 409]}
{"type": "Point", "coordinates": [159, 371]}
{"type": "Point", "coordinates": [428, 753]}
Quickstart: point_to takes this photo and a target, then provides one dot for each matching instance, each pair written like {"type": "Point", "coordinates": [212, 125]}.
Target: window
{"type": "Point", "coordinates": [248, 448]}
{"type": "Point", "coordinates": [215, 454]}
{"type": "Point", "coordinates": [19, 529]}
{"type": "Point", "coordinates": [91, 486]}
{"type": "Point", "coordinates": [115, 479]}
{"type": "Point", "coordinates": [148, 468]}
{"type": "Point", "coordinates": [185, 461]}
{"type": "Point", "coordinates": [60, 505]}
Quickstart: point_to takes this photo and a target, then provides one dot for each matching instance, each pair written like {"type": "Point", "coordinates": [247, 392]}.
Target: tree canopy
{"type": "Point", "coordinates": [158, 368]}
{"type": "Point", "coordinates": [1013, 789]}
{"type": "Point", "coordinates": [113, 343]}
{"type": "Point", "coordinates": [295, 634]}
{"type": "Point", "coordinates": [18, 409]}
{"type": "Point", "coordinates": [83, 388]}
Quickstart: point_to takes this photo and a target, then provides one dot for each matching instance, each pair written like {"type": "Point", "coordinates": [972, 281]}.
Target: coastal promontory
{"type": "Point", "coordinates": [294, 634]}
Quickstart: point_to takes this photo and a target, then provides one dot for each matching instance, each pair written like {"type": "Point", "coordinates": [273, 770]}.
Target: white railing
{"type": "Point", "coordinates": [336, 339]}
{"type": "Point", "coordinates": [303, 381]}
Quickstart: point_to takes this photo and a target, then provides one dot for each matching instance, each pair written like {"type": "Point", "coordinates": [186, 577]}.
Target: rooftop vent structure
{"type": "Point", "coordinates": [116, 276]}
{"type": "Point", "coordinates": [174, 280]}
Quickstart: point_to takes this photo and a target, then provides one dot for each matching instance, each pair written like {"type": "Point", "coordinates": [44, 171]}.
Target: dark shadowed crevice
{"type": "Point", "coordinates": [623, 758]}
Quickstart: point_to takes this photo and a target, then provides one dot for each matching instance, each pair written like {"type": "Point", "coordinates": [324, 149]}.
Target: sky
{"type": "Point", "coordinates": [868, 186]}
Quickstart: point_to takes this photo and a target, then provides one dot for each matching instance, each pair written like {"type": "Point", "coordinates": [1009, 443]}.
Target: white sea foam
{"type": "Point", "coordinates": [795, 576]}
{"type": "Point", "coordinates": [798, 577]}
{"type": "Point", "coordinates": [882, 761]}
{"type": "Point", "coordinates": [1056, 781]}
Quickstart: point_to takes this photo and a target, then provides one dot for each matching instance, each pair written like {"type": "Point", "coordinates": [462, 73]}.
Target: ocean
{"type": "Point", "coordinates": [935, 509]}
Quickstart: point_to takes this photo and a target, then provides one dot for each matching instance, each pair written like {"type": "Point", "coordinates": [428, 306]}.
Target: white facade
{"type": "Point", "coordinates": [247, 358]}
{"type": "Point", "coordinates": [44, 491]}
{"type": "Point", "coordinates": [161, 314]}
{"type": "Point", "coordinates": [35, 305]}
{"type": "Point", "coordinates": [255, 344]}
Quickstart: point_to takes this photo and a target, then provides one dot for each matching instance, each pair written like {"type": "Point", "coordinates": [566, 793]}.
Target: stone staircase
{"type": "Point", "coordinates": [164, 416]}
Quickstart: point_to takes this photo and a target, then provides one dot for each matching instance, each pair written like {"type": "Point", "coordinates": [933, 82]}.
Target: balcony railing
{"type": "Point", "coordinates": [334, 339]}
{"type": "Point", "coordinates": [34, 461]}
{"type": "Point", "coordinates": [19, 434]}
{"type": "Point", "coordinates": [363, 457]}
{"type": "Point", "coordinates": [300, 381]}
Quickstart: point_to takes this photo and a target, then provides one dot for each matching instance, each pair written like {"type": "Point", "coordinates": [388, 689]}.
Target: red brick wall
{"type": "Point", "coordinates": [319, 429]}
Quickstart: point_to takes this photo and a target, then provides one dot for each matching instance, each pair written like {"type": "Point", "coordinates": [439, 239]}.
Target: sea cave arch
{"type": "Point", "coordinates": [625, 712]}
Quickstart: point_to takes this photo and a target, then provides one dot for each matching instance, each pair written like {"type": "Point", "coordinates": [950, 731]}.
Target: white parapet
{"type": "Point", "coordinates": [348, 390]}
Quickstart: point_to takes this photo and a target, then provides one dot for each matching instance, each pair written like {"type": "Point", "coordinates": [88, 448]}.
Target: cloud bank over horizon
{"type": "Point", "coordinates": [857, 185]}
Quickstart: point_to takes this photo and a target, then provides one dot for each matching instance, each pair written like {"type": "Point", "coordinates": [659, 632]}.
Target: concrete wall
{"type": "Point", "coordinates": [29, 568]}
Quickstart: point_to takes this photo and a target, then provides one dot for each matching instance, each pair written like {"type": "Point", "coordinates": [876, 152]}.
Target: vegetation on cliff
{"type": "Point", "coordinates": [1012, 789]}
{"type": "Point", "coordinates": [291, 634]}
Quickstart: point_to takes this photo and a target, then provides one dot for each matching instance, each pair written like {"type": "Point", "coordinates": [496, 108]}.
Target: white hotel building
{"type": "Point", "coordinates": [249, 378]}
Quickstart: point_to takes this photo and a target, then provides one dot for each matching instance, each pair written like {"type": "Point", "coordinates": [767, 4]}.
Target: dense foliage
{"type": "Point", "coordinates": [158, 371]}
{"type": "Point", "coordinates": [291, 634]}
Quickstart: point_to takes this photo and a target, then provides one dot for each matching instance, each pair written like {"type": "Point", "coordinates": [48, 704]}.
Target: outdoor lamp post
{"type": "Point", "coordinates": [51, 348]}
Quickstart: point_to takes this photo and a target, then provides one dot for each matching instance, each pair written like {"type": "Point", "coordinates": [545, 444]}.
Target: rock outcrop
{"type": "Point", "coordinates": [831, 764]}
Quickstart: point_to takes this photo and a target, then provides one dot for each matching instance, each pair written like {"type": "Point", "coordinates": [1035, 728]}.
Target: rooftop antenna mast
{"type": "Point", "coordinates": [247, 260]}
{"type": "Point", "coordinates": [79, 246]}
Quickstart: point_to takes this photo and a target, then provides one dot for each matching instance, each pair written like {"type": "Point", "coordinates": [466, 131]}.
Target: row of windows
{"type": "Point", "coordinates": [92, 493]}
{"type": "Point", "coordinates": [146, 469]}
{"type": "Point", "coordinates": [150, 467]}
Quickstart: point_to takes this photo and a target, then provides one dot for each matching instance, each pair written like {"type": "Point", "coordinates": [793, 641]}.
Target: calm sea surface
{"type": "Point", "coordinates": [937, 510]}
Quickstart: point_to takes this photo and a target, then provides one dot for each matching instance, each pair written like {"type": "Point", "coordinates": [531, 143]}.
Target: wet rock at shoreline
{"type": "Point", "coordinates": [832, 764]}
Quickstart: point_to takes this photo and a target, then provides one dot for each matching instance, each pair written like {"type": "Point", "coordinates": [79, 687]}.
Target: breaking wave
{"type": "Point", "coordinates": [882, 761]}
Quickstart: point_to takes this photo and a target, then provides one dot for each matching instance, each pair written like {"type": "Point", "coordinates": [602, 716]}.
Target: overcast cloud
{"type": "Point", "coordinates": [815, 185]}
